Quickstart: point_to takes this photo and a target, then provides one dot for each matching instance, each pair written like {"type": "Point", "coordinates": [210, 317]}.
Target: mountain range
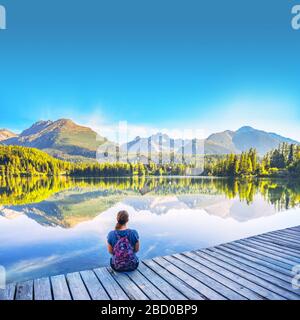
{"type": "Point", "coordinates": [67, 140]}
{"type": "Point", "coordinates": [6, 134]}
{"type": "Point", "coordinates": [62, 139]}
{"type": "Point", "coordinates": [216, 144]}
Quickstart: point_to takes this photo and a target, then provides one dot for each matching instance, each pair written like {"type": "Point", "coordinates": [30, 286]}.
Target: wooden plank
{"type": "Point", "coordinates": [272, 250]}
{"type": "Point", "coordinates": [282, 241]}
{"type": "Point", "coordinates": [291, 232]}
{"type": "Point", "coordinates": [231, 274]}
{"type": "Point", "coordinates": [206, 280]}
{"type": "Point", "coordinates": [273, 236]}
{"type": "Point", "coordinates": [146, 286]}
{"type": "Point", "coordinates": [9, 292]}
{"type": "Point", "coordinates": [283, 285]}
{"type": "Point", "coordinates": [60, 288]}
{"type": "Point", "coordinates": [259, 290]}
{"type": "Point", "coordinates": [252, 268]}
{"type": "Point", "coordinates": [284, 237]}
{"type": "Point", "coordinates": [42, 289]}
{"type": "Point", "coordinates": [279, 246]}
{"type": "Point", "coordinates": [249, 294]}
{"type": "Point", "coordinates": [199, 286]}
{"type": "Point", "coordinates": [285, 258]}
{"type": "Point", "coordinates": [293, 229]}
{"type": "Point", "coordinates": [253, 283]}
{"type": "Point", "coordinates": [163, 285]}
{"type": "Point", "coordinates": [284, 252]}
{"type": "Point", "coordinates": [130, 288]}
{"type": "Point", "coordinates": [180, 285]}
{"type": "Point", "coordinates": [112, 288]}
{"type": "Point", "coordinates": [289, 228]}
{"type": "Point", "coordinates": [255, 262]}
{"type": "Point", "coordinates": [77, 287]}
{"type": "Point", "coordinates": [275, 285]}
{"type": "Point", "coordinates": [288, 264]}
{"type": "Point", "coordinates": [287, 235]}
{"type": "Point", "coordinates": [93, 285]}
{"type": "Point", "coordinates": [296, 228]}
{"type": "Point", "coordinates": [25, 290]}
{"type": "Point", "coordinates": [256, 253]}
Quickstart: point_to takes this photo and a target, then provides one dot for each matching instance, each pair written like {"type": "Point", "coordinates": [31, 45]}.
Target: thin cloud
{"type": "Point", "coordinates": [111, 131]}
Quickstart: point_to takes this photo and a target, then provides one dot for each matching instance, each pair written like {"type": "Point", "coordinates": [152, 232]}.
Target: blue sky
{"type": "Point", "coordinates": [202, 64]}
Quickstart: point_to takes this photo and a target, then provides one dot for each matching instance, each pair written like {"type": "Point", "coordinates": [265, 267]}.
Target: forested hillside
{"type": "Point", "coordinates": [22, 161]}
{"type": "Point", "coordinates": [18, 161]}
{"type": "Point", "coordinates": [284, 160]}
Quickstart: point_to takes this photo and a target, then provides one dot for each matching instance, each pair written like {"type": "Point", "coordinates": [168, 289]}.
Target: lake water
{"type": "Point", "coordinates": [50, 227]}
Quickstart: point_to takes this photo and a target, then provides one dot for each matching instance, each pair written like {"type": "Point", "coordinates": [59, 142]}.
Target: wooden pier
{"type": "Point", "coordinates": [256, 268]}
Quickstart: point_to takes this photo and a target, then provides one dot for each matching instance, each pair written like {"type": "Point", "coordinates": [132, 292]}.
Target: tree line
{"type": "Point", "coordinates": [284, 160]}
{"type": "Point", "coordinates": [16, 161]}
{"type": "Point", "coordinates": [22, 161]}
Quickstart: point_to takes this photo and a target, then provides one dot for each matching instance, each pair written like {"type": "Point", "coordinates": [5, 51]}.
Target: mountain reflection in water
{"type": "Point", "coordinates": [51, 226]}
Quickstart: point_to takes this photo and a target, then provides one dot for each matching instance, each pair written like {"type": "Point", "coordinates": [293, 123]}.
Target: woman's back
{"type": "Point", "coordinates": [123, 243]}
{"type": "Point", "coordinates": [131, 234]}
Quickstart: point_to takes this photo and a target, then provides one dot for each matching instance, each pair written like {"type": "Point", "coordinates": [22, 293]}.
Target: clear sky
{"type": "Point", "coordinates": [211, 65]}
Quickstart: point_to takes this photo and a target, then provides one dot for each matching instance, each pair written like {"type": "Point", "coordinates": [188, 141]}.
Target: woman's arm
{"type": "Point", "coordinates": [109, 248]}
{"type": "Point", "coordinates": [137, 246]}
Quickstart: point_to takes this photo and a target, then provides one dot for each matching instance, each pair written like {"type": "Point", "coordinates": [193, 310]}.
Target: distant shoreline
{"type": "Point", "coordinates": [151, 177]}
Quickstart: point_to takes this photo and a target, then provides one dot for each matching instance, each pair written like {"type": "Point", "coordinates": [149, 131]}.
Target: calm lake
{"type": "Point", "coordinates": [56, 226]}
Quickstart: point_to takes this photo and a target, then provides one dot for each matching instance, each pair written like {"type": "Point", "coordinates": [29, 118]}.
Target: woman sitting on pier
{"type": "Point", "coordinates": [123, 244]}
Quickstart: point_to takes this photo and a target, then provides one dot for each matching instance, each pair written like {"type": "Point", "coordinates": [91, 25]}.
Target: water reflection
{"type": "Point", "coordinates": [67, 202]}
{"type": "Point", "coordinates": [52, 226]}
